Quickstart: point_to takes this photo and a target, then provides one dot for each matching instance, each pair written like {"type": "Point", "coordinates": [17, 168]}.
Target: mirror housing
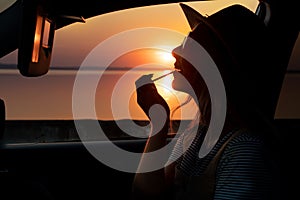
{"type": "Point", "coordinates": [36, 39]}
{"type": "Point", "coordinates": [2, 119]}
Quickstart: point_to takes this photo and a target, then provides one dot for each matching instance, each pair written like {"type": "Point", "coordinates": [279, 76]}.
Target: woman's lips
{"type": "Point", "coordinates": [176, 66]}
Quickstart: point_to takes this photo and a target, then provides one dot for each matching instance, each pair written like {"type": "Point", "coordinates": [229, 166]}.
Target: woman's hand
{"type": "Point", "coordinates": [148, 96]}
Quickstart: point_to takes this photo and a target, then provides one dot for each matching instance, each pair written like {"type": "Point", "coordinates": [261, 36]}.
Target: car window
{"type": "Point", "coordinates": [137, 41]}
{"type": "Point", "coordinates": [288, 106]}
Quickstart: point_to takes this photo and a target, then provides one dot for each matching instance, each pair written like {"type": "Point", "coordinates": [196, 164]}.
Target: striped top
{"type": "Point", "coordinates": [243, 171]}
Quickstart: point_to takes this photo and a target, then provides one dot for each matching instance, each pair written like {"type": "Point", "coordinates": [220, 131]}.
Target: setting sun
{"type": "Point", "coordinates": [166, 57]}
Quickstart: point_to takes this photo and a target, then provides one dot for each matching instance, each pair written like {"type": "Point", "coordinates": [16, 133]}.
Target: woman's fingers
{"type": "Point", "coordinates": [147, 94]}
{"type": "Point", "coordinates": [143, 80]}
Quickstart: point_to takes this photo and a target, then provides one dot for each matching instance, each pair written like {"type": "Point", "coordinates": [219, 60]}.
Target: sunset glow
{"type": "Point", "coordinates": [166, 57]}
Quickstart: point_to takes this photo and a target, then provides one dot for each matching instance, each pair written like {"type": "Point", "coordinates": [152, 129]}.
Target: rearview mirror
{"type": "Point", "coordinates": [36, 40]}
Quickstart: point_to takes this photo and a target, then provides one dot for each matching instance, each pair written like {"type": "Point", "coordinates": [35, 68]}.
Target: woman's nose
{"type": "Point", "coordinates": [175, 52]}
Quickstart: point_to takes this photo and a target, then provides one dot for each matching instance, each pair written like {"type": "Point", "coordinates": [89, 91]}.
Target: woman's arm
{"type": "Point", "coordinates": [152, 184]}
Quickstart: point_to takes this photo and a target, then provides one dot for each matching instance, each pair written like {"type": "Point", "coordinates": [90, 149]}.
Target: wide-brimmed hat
{"type": "Point", "coordinates": [244, 40]}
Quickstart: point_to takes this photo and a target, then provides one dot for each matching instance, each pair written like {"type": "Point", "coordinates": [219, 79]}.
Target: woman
{"type": "Point", "coordinates": [241, 165]}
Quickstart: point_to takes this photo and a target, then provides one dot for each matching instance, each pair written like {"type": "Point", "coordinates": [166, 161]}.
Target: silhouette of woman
{"type": "Point", "coordinates": [241, 164]}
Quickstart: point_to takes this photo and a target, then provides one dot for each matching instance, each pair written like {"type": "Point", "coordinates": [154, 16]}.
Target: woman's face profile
{"type": "Point", "coordinates": [186, 78]}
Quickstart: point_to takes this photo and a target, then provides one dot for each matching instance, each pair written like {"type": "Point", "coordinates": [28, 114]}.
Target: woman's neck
{"type": "Point", "coordinates": [232, 122]}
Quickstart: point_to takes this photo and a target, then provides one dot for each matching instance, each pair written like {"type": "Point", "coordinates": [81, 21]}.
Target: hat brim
{"type": "Point", "coordinates": [193, 17]}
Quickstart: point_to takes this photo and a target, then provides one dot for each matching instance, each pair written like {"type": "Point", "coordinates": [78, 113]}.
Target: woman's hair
{"type": "Point", "coordinates": [191, 125]}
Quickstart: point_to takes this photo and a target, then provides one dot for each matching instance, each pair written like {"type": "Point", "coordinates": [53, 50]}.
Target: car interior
{"type": "Point", "coordinates": [34, 166]}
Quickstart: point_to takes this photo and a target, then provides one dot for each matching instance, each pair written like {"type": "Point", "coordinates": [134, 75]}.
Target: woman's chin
{"type": "Point", "coordinates": [177, 86]}
{"type": "Point", "coordinates": [182, 87]}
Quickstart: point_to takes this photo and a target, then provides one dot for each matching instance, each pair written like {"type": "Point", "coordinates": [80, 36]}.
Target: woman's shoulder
{"type": "Point", "coordinates": [245, 144]}
{"type": "Point", "coordinates": [246, 136]}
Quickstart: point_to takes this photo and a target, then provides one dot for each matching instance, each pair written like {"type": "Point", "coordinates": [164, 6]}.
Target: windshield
{"type": "Point", "coordinates": [50, 96]}
{"type": "Point", "coordinates": [115, 49]}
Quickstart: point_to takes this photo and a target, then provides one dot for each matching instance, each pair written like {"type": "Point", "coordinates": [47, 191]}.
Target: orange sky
{"type": "Point", "coordinates": [116, 22]}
